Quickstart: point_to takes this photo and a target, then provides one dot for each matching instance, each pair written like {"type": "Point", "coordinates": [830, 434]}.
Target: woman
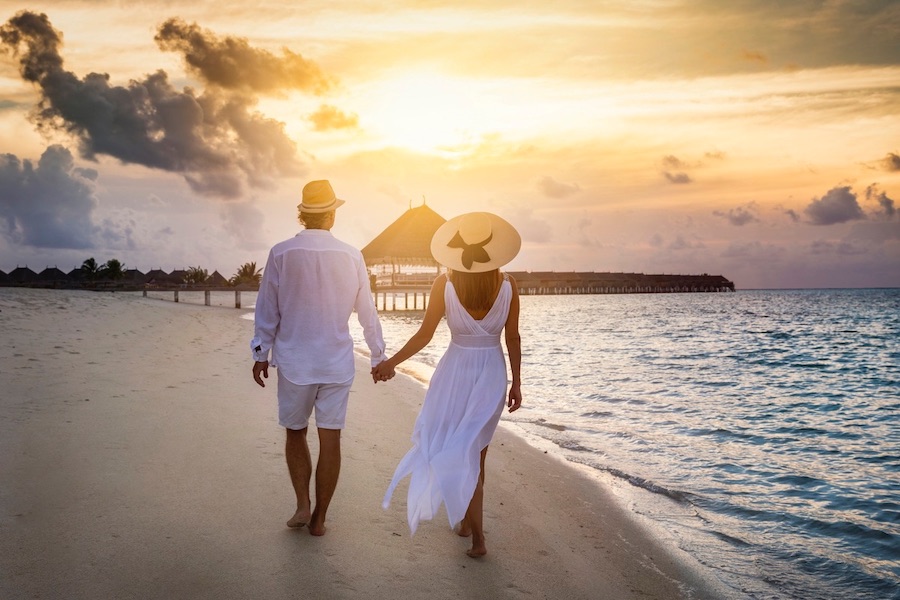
{"type": "Point", "coordinates": [467, 391]}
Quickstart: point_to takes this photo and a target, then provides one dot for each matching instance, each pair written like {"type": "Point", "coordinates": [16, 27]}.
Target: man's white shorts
{"type": "Point", "coordinates": [296, 403]}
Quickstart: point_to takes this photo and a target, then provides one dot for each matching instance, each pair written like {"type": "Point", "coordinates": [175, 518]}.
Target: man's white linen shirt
{"type": "Point", "coordinates": [310, 286]}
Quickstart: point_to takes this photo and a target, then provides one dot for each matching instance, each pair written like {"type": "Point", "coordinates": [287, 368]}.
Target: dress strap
{"type": "Point", "coordinates": [505, 276]}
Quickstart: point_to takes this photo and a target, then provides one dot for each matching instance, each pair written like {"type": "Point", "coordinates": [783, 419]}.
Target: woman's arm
{"type": "Point", "coordinates": [433, 315]}
{"type": "Point", "coordinates": [514, 348]}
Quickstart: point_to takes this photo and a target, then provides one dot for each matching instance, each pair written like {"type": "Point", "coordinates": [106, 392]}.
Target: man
{"type": "Point", "coordinates": [310, 286]}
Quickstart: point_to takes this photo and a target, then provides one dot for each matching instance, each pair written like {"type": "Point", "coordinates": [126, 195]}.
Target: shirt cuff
{"type": "Point", "coordinates": [377, 359]}
{"type": "Point", "coordinates": [257, 352]}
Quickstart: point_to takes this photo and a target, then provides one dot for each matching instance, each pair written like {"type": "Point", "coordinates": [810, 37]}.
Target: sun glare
{"type": "Point", "coordinates": [426, 112]}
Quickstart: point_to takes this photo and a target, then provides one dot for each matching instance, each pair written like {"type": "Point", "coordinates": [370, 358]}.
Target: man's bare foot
{"type": "Point", "coordinates": [300, 518]}
{"type": "Point", "coordinates": [316, 524]}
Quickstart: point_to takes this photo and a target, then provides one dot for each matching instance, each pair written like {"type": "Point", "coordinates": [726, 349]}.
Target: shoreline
{"type": "Point", "coordinates": [140, 460]}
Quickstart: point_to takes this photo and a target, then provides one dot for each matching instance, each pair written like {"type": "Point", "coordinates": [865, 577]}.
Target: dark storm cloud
{"type": "Point", "coordinates": [839, 205]}
{"type": "Point", "coordinates": [739, 216]}
{"type": "Point", "coordinates": [215, 139]}
{"type": "Point", "coordinates": [231, 63]}
{"type": "Point", "coordinates": [50, 204]}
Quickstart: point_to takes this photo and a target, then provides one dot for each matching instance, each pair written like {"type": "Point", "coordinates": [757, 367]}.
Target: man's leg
{"type": "Point", "coordinates": [327, 470]}
{"type": "Point", "coordinates": [299, 462]}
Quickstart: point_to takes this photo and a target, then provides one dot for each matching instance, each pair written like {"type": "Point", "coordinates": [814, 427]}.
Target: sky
{"type": "Point", "coordinates": [755, 139]}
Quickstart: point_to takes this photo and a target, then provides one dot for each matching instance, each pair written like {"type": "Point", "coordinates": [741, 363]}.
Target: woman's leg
{"type": "Point", "coordinates": [474, 519]}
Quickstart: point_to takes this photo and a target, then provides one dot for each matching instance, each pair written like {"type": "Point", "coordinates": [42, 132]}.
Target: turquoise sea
{"type": "Point", "coordinates": [758, 430]}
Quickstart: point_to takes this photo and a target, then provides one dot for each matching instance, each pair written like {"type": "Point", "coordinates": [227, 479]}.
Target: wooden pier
{"type": "Point", "coordinates": [207, 293]}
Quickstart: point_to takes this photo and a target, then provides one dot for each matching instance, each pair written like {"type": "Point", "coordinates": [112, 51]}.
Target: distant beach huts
{"type": "Point", "coordinates": [132, 279]}
{"type": "Point", "coordinates": [400, 265]}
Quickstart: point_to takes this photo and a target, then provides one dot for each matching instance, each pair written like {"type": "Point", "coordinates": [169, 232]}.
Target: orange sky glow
{"type": "Point", "coordinates": [747, 138]}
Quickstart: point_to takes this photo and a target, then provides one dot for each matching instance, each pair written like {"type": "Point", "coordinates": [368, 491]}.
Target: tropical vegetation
{"type": "Point", "coordinates": [247, 274]}
{"type": "Point", "coordinates": [111, 269]}
{"type": "Point", "coordinates": [196, 275]}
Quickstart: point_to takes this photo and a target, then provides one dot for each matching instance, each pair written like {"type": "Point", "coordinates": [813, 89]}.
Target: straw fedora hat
{"type": "Point", "coordinates": [318, 197]}
{"type": "Point", "coordinates": [475, 242]}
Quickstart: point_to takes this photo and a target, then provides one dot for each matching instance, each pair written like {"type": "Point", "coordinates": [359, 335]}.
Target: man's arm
{"type": "Point", "coordinates": [266, 320]}
{"type": "Point", "coordinates": [368, 315]}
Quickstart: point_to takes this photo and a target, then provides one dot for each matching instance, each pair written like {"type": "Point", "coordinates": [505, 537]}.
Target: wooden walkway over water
{"type": "Point", "coordinates": [413, 295]}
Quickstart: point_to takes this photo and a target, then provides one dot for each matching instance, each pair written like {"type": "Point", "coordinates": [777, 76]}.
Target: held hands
{"type": "Point", "coordinates": [515, 397]}
{"type": "Point", "coordinates": [383, 372]}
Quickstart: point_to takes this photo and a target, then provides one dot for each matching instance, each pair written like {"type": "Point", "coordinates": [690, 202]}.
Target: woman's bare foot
{"type": "Point", "coordinates": [478, 548]}
{"type": "Point", "coordinates": [317, 524]}
{"type": "Point", "coordinates": [463, 529]}
{"type": "Point", "coordinates": [300, 518]}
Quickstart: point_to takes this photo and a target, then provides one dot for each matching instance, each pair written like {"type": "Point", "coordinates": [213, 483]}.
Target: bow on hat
{"type": "Point", "coordinates": [472, 253]}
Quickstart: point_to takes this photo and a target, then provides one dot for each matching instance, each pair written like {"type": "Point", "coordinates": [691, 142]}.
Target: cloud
{"type": "Point", "coordinates": [330, 117]}
{"type": "Point", "coordinates": [741, 215]}
{"type": "Point", "coordinates": [244, 222]}
{"type": "Point", "coordinates": [531, 228]}
{"type": "Point", "coordinates": [887, 209]}
{"type": "Point", "coordinates": [555, 189]}
{"type": "Point", "coordinates": [839, 205]}
{"type": "Point", "coordinates": [49, 205]}
{"type": "Point", "coordinates": [891, 162]}
{"type": "Point", "coordinates": [679, 243]}
{"type": "Point", "coordinates": [756, 252]}
{"type": "Point", "coordinates": [677, 178]}
{"type": "Point", "coordinates": [792, 215]}
{"type": "Point", "coordinates": [673, 162]}
{"type": "Point", "coordinates": [754, 56]}
{"type": "Point", "coordinates": [231, 63]}
{"type": "Point", "coordinates": [844, 248]}
{"type": "Point", "coordinates": [215, 140]}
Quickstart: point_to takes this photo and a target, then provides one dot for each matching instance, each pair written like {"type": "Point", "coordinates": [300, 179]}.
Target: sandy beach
{"type": "Point", "coordinates": [139, 460]}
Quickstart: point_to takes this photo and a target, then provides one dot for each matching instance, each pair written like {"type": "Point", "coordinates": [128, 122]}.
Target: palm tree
{"type": "Point", "coordinates": [113, 269]}
{"type": "Point", "coordinates": [196, 275]}
{"type": "Point", "coordinates": [247, 273]}
{"type": "Point", "coordinates": [91, 269]}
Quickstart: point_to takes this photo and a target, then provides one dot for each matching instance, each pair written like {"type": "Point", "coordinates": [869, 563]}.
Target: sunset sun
{"type": "Point", "coordinates": [427, 112]}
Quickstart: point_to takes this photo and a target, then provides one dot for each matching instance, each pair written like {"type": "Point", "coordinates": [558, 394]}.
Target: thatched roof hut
{"type": "Point", "coordinates": [51, 274]}
{"type": "Point", "coordinates": [406, 241]}
{"type": "Point", "coordinates": [217, 280]}
{"type": "Point", "coordinates": [22, 275]}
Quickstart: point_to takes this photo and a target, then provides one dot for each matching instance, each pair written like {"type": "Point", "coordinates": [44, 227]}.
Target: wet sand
{"type": "Point", "coordinates": [139, 460]}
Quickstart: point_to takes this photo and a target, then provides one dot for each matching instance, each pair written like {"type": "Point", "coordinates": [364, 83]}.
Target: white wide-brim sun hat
{"type": "Point", "coordinates": [475, 242]}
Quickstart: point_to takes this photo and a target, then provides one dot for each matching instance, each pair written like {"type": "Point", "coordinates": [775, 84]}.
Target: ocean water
{"type": "Point", "coordinates": [759, 429]}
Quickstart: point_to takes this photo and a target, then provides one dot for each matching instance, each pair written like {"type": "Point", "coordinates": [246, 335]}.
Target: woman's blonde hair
{"type": "Point", "coordinates": [314, 220]}
{"type": "Point", "coordinates": [475, 290]}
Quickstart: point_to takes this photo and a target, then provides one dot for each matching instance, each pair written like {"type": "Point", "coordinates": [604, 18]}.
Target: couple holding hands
{"type": "Point", "coordinates": [311, 285]}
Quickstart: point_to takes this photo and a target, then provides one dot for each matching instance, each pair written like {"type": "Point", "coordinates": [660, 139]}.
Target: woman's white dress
{"type": "Point", "coordinates": [461, 410]}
